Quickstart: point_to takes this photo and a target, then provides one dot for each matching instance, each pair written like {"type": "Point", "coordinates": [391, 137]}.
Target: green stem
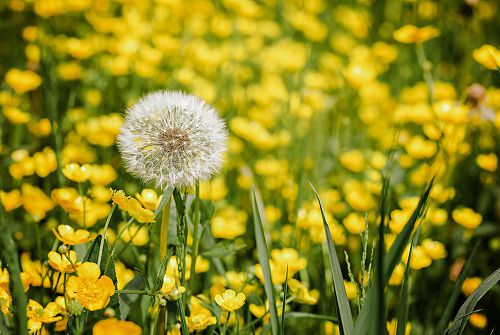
{"type": "Point", "coordinates": [196, 223]}
{"type": "Point", "coordinates": [425, 65]}
{"type": "Point", "coordinates": [226, 325]}
{"type": "Point", "coordinates": [144, 292]}
{"type": "Point", "coordinates": [101, 247]}
{"type": "Point", "coordinates": [129, 222]}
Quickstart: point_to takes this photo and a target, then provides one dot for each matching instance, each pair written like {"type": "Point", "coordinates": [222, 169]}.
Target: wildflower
{"type": "Point", "coordinates": [353, 160]}
{"type": "Point", "coordinates": [11, 200]}
{"type": "Point", "coordinates": [350, 289]}
{"type": "Point", "coordinates": [91, 289]}
{"type": "Point", "coordinates": [38, 315]}
{"type": "Point", "coordinates": [67, 235]}
{"type": "Point", "coordinates": [229, 301]}
{"type": "Point", "coordinates": [77, 173]}
{"type": "Point", "coordinates": [137, 235]}
{"type": "Point", "coordinates": [466, 217]}
{"type": "Point", "coordinates": [102, 174]}
{"type": "Point", "coordinates": [113, 326]}
{"type": "Point", "coordinates": [35, 201]}
{"type": "Point", "coordinates": [148, 198]}
{"type": "Point", "coordinates": [123, 275]}
{"type": "Point", "coordinates": [413, 34]}
{"type": "Point", "coordinates": [172, 139]}
{"type": "Point", "coordinates": [303, 295]}
{"type": "Point", "coordinates": [434, 249]}
{"type": "Point", "coordinates": [487, 162]}
{"type": "Point", "coordinates": [200, 317]}
{"type": "Point", "coordinates": [23, 81]}
{"type": "Point", "coordinates": [229, 223]}
{"type": "Point", "coordinates": [470, 285]}
{"type": "Point", "coordinates": [478, 320]}
{"type": "Point", "coordinates": [354, 223]}
{"type": "Point", "coordinates": [488, 56]}
{"type": "Point", "coordinates": [63, 263]}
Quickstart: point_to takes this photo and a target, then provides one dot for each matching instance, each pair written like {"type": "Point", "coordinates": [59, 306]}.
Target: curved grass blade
{"type": "Point", "coordinates": [445, 317]}
{"type": "Point", "coordinates": [264, 263]}
{"type": "Point", "coordinates": [459, 323]}
{"type": "Point", "coordinates": [338, 280]}
{"type": "Point", "coordinates": [404, 303]}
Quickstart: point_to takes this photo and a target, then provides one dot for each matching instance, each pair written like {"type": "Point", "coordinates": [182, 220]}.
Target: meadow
{"type": "Point", "coordinates": [331, 167]}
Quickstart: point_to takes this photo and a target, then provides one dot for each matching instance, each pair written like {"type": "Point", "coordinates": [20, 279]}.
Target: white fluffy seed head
{"type": "Point", "coordinates": [172, 139]}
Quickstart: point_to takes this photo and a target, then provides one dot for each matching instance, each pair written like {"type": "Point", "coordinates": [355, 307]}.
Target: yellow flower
{"type": "Point", "coordinates": [478, 320]}
{"type": "Point", "coordinates": [16, 115]}
{"type": "Point", "coordinates": [102, 174]}
{"type": "Point", "coordinates": [142, 215]}
{"type": "Point", "coordinates": [289, 257]}
{"type": "Point", "coordinates": [413, 34]}
{"type": "Point", "coordinates": [353, 160]}
{"type": "Point", "coordinates": [397, 275]}
{"type": "Point", "coordinates": [392, 327]}
{"type": "Point", "coordinates": [77, 173]}
{"type": "Point", "coordinates": [11, 200]}
{"type": "Point", "coordinates": [67, 235]}
{"type": "Point", "coordinates": [113, 326]}
{"type": "Point", "coordinates": [198, 322]}
{"type": "Point", "coordinates": [37, 315]}
{"type": "Point", "coordinates": [123, 275]}
{"type": "Point", "coordinates": [91, 289]}
{"type": "Point", "coordinates": [35, 201]}
{"type": "Point", "coordinates": [229, 223]}
{"type": "Point", "coordinates": [303, 295]}
{"type": "Point", "coordinates": [466, 217]}
{"type": "Point", "coordinates": [488, 56]}
{"type": "Point", "coordinates": [354, 223]}
{"type": "Point", "coordinates": [487, 162]}
{"type": "Point", "coordinates": [350, 289]}
{"type": "Point", "coordinates": [419, 258]}
{"type": "Point", "coordinates": [418, 147]}
{"type": "Point", "coordinates": [470, 285]}
{"type": "Point", "coordinates": [23, 81]}
{"type": "Point", "coordinates": [61, 263]}
{"type": "Point", "coordinates": [121, 199]}
{"type": "Point", "coordinates": [148, 198]}
{"type": "Point", "coordinates": [171, 288]}
{"type": "Point", "coordinates": [229, 301]}
{"type": "Point", "coordinates": [434, 249]}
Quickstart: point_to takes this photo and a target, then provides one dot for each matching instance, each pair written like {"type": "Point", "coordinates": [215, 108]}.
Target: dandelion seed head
{"type": "Point", "coordinates": [172, 139]}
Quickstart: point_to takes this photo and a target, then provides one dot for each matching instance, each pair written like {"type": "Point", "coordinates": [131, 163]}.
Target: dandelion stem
{"type": "Point", "coordinates": [163, 253]}
{"type": "Point", "coordinates": [196, 223]}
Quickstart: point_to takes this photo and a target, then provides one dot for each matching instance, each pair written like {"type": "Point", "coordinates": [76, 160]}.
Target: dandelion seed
{"type": "Point", "coordinates": [172, 139]}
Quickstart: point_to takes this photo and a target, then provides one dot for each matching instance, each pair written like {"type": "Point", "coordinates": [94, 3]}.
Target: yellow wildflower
{"type": "Point", "coordinates": [230, 301]}
{"type": "Point", "coordinates": [37, 315]}
{"type": "Point", "coordinates": [303, 295]}
{"type": "Point", "coordinates": [67, 235]}
{"type": "Point", "coordinates": [487, 162]}
{"type": "Point", "coordinates": [91, 289]}
{"type": "Point", "coordinates": [23, 81]}
{"type": "Point", "coordinates": [470, 285]}
{"type": "Point", "coordinates": [113, 326]}
{"type": "Point", "coordinates": [466, 217]}
{"type": "Point", "coordinates": [354, 223]}
{"type": "Point", "coordinates": [413, 34]}
{"type": "Point", "coordinates": [11, 200]}
{"type": "Point", "coordinates": [478, 320]}
{"type": "Point", "coordinates": [63, 263]}
{"type": "Point", "coordinates": [75, 172]}
{"type": "Point", "coordinates": [488, 56]}
{"type": "Point", "coordinates": [148, 198]}
{"type": "Point", "coordinates": [434, 249]}
{"type": "Point", "coordinates": [353, 160]}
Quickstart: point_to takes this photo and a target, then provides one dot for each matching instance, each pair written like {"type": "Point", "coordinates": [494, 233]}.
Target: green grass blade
{"type": "Point", "coordinates": [445, 317]}
{"type": "Point", "coordinates": [338, 280]}
{"type": "Point", "coordinates": [459, 323]}
{"type": "Point", "coordinates": [399, 245]}
{"type": "Point", "coordinates": [404, 303]}
{"type": "Point", "coordinates": [264, 263]}
{"type": "Point", "coordinates": [166, 195]}
{"type": "Point", "coordinates": [285, 291]}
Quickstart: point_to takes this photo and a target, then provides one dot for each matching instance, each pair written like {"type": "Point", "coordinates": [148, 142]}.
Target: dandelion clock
{"type": "Point", "coordinates": [172, 139]}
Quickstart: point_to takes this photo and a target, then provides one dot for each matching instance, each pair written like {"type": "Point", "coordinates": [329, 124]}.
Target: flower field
{"type": "Point", "coordinates": [249, 167]}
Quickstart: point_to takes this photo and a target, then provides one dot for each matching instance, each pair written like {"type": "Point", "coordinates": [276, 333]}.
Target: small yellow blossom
{"type": "Point", "coordinates": [148, 198]}
{"type": "Point", "coordinates": [23, 81]}
{"type": "Point", "coordinates": [487, 162]}
{"type": "Point", "coordinates": [470, 285]}
{"type": "Point", "coordinates": [230, 301]}
{"type": "Point", "coordinates": [303, 295]}
{"type": "Point", "coordinates": [413, 34]}
{"type": "Point", "coordinates": [434, 249]}
{"type": "Point", "coordinates": [353, 160]}
{"type": "Point", "coordinates": [67, 235]}
{"type": "Point", "coordinates": [77, 173]}
{"type": "Point", "coordinates": [466, 217]}
{"type": "Point", "coordinates": [478, 320]}
{"type": "Point", "coordinates": [11, 200]}
{"type": "Point", "coordinates": [63, 263]}
{"type": "Point", "coordinates": [91, 289]}
{"type": "Point", "coordinates": [488, 56]}
{"type": "Point", "coordinates": [113, 326]}
{"type": "Point", "coordinates": [37, 315]}
{"type": "Point", "coordinates": [354, 223]}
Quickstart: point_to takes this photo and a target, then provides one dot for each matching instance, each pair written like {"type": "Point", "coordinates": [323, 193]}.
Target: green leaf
{"type": "Point", "coordinates": [445, 317]}
{"type": "Point", "coordinates": [404, 302]}
{"type": "Point", "coordinates": [223, 248]}
{"type": "Point", "coordinates": [463, 314]}
{"type": "Point", "coordinates": [166, 195]}
{"type": "Point", "coordinates": [161, 271]}
{"type": "Point", "coordinates": [128, 300]}
{"type": "Point", "coordinates": [264, 263]}
{"type": "Point", "coordinates": [338, 280]}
